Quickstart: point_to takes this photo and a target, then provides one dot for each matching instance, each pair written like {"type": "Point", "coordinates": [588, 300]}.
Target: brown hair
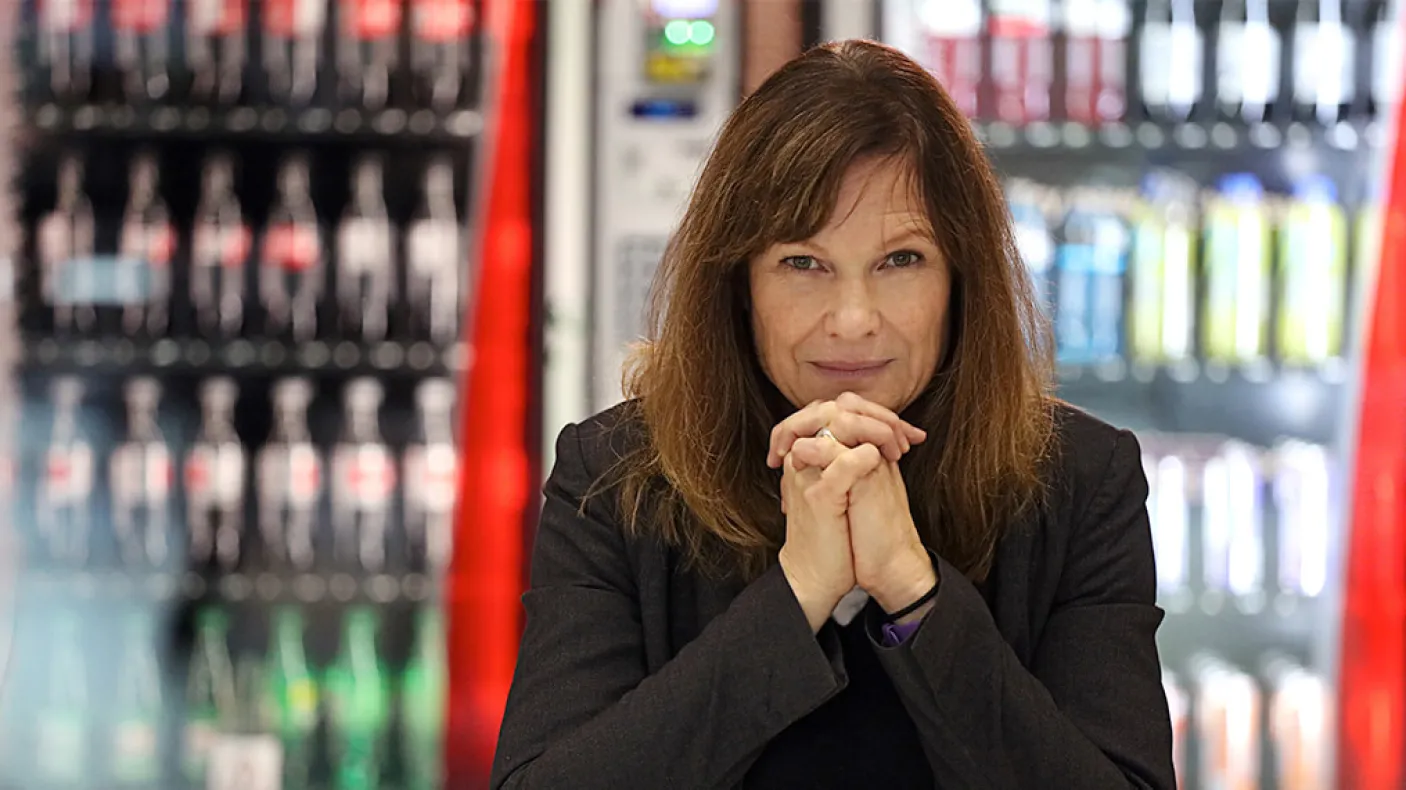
{"type": "Point", "coordinates": [699, 480]}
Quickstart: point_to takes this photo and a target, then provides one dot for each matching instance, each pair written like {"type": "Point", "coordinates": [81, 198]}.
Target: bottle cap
{"type": "Point", "coordinates": [1242, 187]}
{"type": "Point", "coordinates": [219, 392]}
{"type": "Point", "coordinates": [364, 392]}
{"type": "Point", "coordinates": [1316, 188]}
{"type": "Point", "coordinates": [66, 391]}
{"type": "Point", "coordinates": [143, 392]}
{"type": "Point", "coordinates": [293, 392]}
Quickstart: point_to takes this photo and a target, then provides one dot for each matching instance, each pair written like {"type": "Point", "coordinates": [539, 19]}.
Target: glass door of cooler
{"type": "Point", "coordinates": [245, 258]}
{"type": "Point", "coordinates": [1196, 188]}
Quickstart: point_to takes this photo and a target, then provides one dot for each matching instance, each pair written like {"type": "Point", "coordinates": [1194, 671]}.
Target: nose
{"type": "Point", "coordinates": [854, 310]}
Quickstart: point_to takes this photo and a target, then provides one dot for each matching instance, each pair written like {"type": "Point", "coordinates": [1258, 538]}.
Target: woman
{"type": "Point", "coordinates": [841, 536]}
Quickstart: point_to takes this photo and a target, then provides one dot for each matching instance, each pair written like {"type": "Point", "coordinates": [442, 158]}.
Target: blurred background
{"type": "Point", "coordinates": [296, 295]}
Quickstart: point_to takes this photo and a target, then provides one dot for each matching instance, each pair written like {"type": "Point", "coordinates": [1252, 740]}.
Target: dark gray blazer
{"type": "Point", "coordinates": [635, 673]}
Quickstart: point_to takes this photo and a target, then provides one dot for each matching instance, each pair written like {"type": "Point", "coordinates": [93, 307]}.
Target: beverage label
{"type": "Point", "coordinates": [304, 475]}
{"type": "Point", "coordinates": [247, 762]}
{"type": "Point", "coordinates": [214, 473]}
{"type": "Point", "coordinates": [1324, 63]}
{"type": "Point", "coordinates": [1233, 537]}
{"type": "Point", "coordinates": [201, 732]}
{"type": "Point", "coordinates": [144, 468]}
{"type": "Point", "coordinates": [1237, 281]}
{"type": "Point", "coordinates": [217, 17]}
{"type": "Point", "coordinates": [135, 757]}
{"type": "Point", "coordinates": [140, 16]}
{"type": "Point", "coordinates": [1228, 724]}
{"type": "Point", "coordinates": [292, 246]}
{"type": "Point", "coordinates": [295, 705]}
{"type": "Point", "coordinates": [1313, 257]}
{"type": "Point", "coordinates": [294, 18]}
{"type": "Point", "coordinates": [432, 476]}
{"type": "Point", "coordinates": [952, 48]}
{"type": "Point", "coordinates": [1168, 508]}
{"type": "Point", "coordinates": [66, 16]}
{"type": "Point", "coordinates": [1387, 63]}
{"type": "Point", "coordinates": [1302, 496]}
{"type": "Point", "coordinates": [1171, 65]}
{"type": "Point", "coordinates": [370, 475]}
{"type": "Point", "coordinates": [153, 243]}
{"type": "Point", "coordinates": [68, 474]}
{"type": "Point", "coordinates": [56, 239]}
{"type": "Point", "coordinates": [1247, 64]}
{"type": "Point", "coordinates": [221, 245]}
{"type": "Point", "coordinates": [1074, 310]}
{"type": "Point", "coordinates": [1298, 722]}
{"type": "Point", "coordinates": [442, 21]}
{"type": "Point", "coordinates": [372, 19]}
{"type": "Point", "coordinates": [433, 246]}
{"type": "Point", "coordinates": [364, 245]}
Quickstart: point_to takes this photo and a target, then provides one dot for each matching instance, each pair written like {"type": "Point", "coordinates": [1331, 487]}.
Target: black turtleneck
{"type": "Point", "coordinates": [860, 738]}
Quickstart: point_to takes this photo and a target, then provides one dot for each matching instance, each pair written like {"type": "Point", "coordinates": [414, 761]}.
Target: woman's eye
{"type": "Point", "coordinates": [904, 259]}
{"type": "Point", "coordinates": [803, 263]}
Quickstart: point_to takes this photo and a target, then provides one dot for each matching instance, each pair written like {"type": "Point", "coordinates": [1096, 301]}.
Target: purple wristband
{"type": "Point", "coordinates": [896, 634]}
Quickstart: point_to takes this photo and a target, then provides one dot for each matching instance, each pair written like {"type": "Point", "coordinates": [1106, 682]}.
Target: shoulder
{"type": "Point", "coordinates": [605, 439]}
{"type": "Point", "coordinates": [1096, 528]}
{"type": "Point", "coordinates": [1091, 465]}
{"type": "Point", "coordinates": [1084, 445]}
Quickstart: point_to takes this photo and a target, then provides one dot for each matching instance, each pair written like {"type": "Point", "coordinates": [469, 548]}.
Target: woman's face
{"type": "Point", "coordinates": [862, 305]}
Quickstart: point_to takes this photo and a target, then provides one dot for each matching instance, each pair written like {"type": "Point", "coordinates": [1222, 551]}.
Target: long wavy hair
{"type": "Point", "coordinates": [698, 479]}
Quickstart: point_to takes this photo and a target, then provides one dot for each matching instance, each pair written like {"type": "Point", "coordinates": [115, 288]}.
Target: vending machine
{"type": "Point", "coordinates": [1198, 190]}
{"type": "Point", "coordinates": [623, 153]}
{"type": "Point", "coordinates": [243, 256]}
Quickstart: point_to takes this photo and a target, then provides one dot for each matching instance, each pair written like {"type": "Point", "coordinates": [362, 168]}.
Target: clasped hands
{"type": "Point", "coordinates": [848, 521]}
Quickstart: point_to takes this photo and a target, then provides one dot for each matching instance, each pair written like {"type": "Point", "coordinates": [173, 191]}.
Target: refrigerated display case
{"type": "Point", "coordinates": [250, 242]}
{"type": "Point", "coordinates": [1199, 191]}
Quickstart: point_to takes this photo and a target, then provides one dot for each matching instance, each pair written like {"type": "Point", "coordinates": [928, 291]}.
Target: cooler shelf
{"type": "Point", "coordinates": [392, 126]}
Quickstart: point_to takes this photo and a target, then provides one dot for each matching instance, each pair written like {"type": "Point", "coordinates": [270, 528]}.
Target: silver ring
{"type": "Point", "coordinates": [824, 433]}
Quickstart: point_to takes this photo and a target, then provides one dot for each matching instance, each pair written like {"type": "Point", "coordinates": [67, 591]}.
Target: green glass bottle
{"type": "Point", "coordinates": [210, 693]}
{"type": "Point", "coordinates": [359, 705]}
{"type": "Point", "coordinates": [291, 704]}
{"type": "Point", "coordinates": [422, 701]}
{"type": "Point", "coordinates": [136, 732]}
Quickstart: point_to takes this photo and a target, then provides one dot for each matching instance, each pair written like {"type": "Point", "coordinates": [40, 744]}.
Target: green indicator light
{"type": "Point", "coordinates": [702, 32]}
{"type": "Point", "coordinates": [677, 32]}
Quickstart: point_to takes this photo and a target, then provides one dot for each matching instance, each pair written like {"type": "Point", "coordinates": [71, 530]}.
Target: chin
{"type": "Point", "coordinates": [875, 392]}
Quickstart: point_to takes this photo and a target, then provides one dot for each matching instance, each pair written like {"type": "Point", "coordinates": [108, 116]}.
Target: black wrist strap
{"type": "Point", "coordinates": [915, 606]}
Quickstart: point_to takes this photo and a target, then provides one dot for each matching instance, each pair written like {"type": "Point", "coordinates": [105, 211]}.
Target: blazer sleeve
{"type": "Point", "coordinates": [583, 713]}
{"type": "Point", "coordinates": [1090, 711]}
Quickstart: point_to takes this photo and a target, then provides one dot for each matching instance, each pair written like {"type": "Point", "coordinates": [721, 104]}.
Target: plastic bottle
{"type": "Point", "coordinates": [1172, 53]}
{"type": "Point", "coordinates": [1247, 61]}
{"type": "Point", "coordinates": [1162, 269]}
{"type": "Point", "coordinates": [1312, 275]}
{"type": "Point", "coordinates": [1235, 325]}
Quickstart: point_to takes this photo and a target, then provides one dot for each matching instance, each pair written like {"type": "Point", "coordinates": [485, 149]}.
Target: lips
{"type": "Point", "coordinates": [837, 367]}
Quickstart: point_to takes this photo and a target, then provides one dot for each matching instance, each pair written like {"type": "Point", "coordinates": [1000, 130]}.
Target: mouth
{"type": "Point", "coordinates": [850, 369]}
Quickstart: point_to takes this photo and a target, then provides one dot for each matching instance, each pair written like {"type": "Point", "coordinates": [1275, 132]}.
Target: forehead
{"type": "Point", "coordinates": [883, 191]}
